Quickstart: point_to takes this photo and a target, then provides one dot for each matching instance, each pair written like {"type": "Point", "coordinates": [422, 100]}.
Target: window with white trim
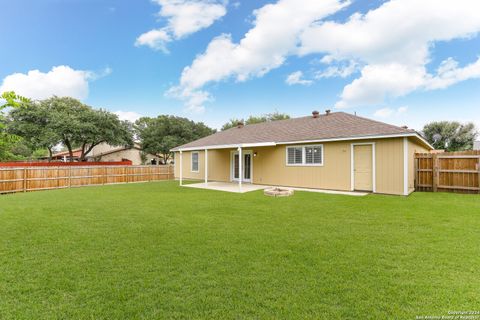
{"type": "Point", "coordinates": [194, 161]}
{"type": "Point", "coordinates": [309, 155]}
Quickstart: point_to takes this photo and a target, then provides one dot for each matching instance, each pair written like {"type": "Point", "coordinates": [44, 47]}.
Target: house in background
{"type": "Point", "coordinates": [107, 153]}
{"type": "Point", "coordinates": [336, 151]}
{"type": "Point", "coordinates": [476, 145]}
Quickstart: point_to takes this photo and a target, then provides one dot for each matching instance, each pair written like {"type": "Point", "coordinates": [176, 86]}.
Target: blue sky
{"type": "Point", "coordinates": [399, 61]}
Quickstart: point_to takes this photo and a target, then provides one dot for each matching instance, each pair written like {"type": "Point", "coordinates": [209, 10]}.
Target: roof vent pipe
{"type": "Point", "coordinates": [315, 114]}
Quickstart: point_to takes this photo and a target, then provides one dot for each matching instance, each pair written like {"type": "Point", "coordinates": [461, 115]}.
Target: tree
{"type": "Point", "coordinates": [256, 119]}
{"type": "Point", "coordinates": [232, 123]}
{"type": "Point", "coordinates": [450, 135]}
{"type": "Point", "coordinates": [72, 123]}
{"type": "Point", "coordinates": [31, 121]}
{"type": "Point", "coordinates": [159, 135]}
{"type": "Point", "coordinates": [8, 140]}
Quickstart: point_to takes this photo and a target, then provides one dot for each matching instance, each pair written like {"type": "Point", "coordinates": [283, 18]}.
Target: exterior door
{"type": "Point", "coordinates": [363, 167]}
{"type": "Point", "coordinates": [246, 166]}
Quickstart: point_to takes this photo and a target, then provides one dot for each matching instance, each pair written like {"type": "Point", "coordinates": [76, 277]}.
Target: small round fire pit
{"type": "Point", "coordinates": [278, 192]}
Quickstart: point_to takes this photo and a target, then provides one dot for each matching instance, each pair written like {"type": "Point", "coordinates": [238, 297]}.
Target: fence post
{"type": "Point", "coordinates": [435, 175]}
{"type": "Point", "coordinates": [70, 177]}
{"type": "Point", "coordinates": [25, 179]}
{"type": "Point", "coordinates": [415, 164]}
{"type": "Point", "coordinates": [478, 168]}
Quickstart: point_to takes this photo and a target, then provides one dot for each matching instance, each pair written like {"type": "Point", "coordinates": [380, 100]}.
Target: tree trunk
{"type": "Point", "coordinates": [69, 147]}
{"type": "Point", "coordinates": [50, 154]}
{"type": "Point", "coordinates": [84, 153]}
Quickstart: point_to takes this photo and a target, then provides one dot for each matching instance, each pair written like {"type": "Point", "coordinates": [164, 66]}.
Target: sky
{"type": "Point", "coordinates": [405, 62]}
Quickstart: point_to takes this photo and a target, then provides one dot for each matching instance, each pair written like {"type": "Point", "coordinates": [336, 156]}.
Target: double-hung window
{"type": "Point", "coordinates": [309, 155]}
{"type": "Point", "coordinates": [194, 161]}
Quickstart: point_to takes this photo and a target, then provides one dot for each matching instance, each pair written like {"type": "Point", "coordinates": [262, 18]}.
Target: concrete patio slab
{"type": "Point", "coordinates": [247, 187]}
{"type": "Point", "coordinates": [226, 186]}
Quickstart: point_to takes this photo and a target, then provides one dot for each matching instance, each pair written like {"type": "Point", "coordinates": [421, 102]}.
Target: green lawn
{"type": "Point", "coordinates": [155, 250]}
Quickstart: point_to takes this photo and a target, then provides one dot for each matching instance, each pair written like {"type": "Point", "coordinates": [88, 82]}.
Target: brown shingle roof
{"type": "Point", "coordinates": [336, 125]}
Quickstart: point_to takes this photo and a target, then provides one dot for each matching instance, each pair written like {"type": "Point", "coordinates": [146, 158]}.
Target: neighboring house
{"type": "Point", "coordinates": [476, 145]}
{"type": "Point", "coordinates": [65, 155]}
{"type": "Point", "coordinates": [337, 151]}
{"type": "Point", "coordinates": [105, 152]}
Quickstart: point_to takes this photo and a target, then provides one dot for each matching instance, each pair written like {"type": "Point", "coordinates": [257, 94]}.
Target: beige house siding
{"type": "Point", "coordinates": [269, 166]}
{"type": "Point", "coordinates": [389, 166]}
{"type": "Point", "coordinates": [218, 165]}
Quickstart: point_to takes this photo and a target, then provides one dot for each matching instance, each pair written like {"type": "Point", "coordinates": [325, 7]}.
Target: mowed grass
{"type": "Point", "coordinates": [158, 251]}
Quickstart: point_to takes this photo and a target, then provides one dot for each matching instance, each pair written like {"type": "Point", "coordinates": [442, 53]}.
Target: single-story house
{"type": "Point", "coordinates": [107, 153]}
{"type": "Point", "coordinates": [476, 145]}
{"type": "Point", "coordinates": [335, 150]}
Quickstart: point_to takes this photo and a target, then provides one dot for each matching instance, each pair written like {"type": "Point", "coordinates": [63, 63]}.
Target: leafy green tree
{"type": "Point", "coordinates": [450, 135]}
{"type": "Point", "coordinates": [8, 140]}
{"type": "Point", "coordinates": [159, 135]}
{"type": "Point", "coordinates": [31, 121]}
{"type": "Point", "coordinates": [70, 122]}
{"type": "Point", "coordinates": [256, 119]}
{"type": "Point", "coordinates": [232, 123]}
{"type": "Point", "coordinates": [80, 125]}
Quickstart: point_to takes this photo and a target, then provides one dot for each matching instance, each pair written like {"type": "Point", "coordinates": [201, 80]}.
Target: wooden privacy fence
{"type": "Point", "coordinates": [16, 179]}
{"type": "Point", "coordinates": [448, 171]}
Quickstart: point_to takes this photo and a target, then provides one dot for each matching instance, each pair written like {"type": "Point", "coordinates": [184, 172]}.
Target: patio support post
{"type": "Point", "coordinates": [206, 166]}
{"type": "Point", "coordinates": [181, 167]}
{"type": "Point", "coordinates": [240, 171]}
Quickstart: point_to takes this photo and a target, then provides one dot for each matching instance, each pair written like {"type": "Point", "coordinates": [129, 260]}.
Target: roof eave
{"type": "Point", "coordinates": [271, 144]}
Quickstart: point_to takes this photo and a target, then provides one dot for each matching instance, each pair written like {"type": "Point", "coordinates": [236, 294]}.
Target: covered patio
{"type": "Point", "coordinates": [241, 170]}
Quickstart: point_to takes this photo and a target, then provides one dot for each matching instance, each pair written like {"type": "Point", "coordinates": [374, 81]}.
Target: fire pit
{"type": "Point", "coordinates": [278, 192]}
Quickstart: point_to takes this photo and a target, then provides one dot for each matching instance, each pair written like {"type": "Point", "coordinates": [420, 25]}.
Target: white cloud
{"type": "Point", "coordinates": [194, 100]}
{"type": "Point", "coordinates": [296, 78]}
{"type": "Point", "coordinates": [272, 39]}
{"type": "Point", "coordinates": [394, 43]}
{"type": "Point", "coordinates": [128, 115]}
{"type": "Point", "coordinates": [155, 39]}
{"type": "Point", "coordinates": [389, 112]}
{"type": "Point", "coordinates": [341, 70]}
{"type": "Point", "coordinates": [60, 81]}
{"type": "Point", "coordinates": [379, 82]}
{"type": "Point", "coordinates": [449, 73]}
{"type": "Point", "coordinates": [184, 17]}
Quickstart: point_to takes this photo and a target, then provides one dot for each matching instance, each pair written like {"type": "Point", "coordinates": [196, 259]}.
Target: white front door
{"type": "Point", "coordinates": [246, 166]}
